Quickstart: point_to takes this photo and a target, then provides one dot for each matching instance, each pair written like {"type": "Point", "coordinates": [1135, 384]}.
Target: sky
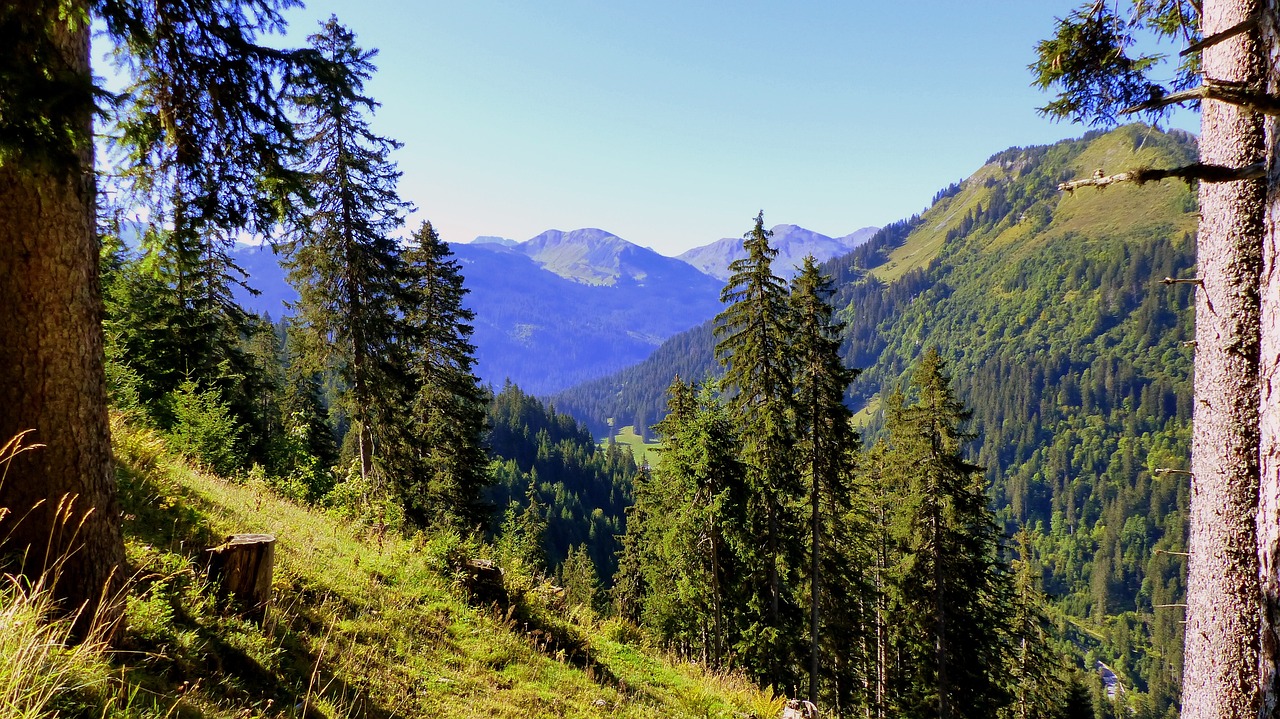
{"type": "Point", "coordinates": [671, 124]}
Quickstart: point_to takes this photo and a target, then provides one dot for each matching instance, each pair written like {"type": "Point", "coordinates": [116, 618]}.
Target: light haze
{"type": "Point", "coordinates": [671, 124]}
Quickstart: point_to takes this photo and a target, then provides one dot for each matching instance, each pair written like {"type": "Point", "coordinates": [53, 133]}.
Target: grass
{"type": "Point", "coordinates": [363, 624]}
{"type": "Point", "coordinates": [640, 449]}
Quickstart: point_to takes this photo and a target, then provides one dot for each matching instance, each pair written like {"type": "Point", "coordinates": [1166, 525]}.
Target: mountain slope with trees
{"type": "Point", "coordinates": [1063, 340]}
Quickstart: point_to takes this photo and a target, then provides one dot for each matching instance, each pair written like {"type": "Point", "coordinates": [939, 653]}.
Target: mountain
{"type": "Point", "coordinates": [793, 244]}
{"type": "Point", "coordinates": [267, 278]}
{"type": "Point", "coordinates": [560, 308]}
{"type": "Point", "coordinates": [1071, 354]}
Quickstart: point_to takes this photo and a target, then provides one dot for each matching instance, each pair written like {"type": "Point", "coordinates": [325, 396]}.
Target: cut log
{"type": "Point", "coordinates": [242, 569]}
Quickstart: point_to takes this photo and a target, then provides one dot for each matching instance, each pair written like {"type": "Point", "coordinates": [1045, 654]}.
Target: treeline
{"type": "Point", "coordinates": [875, 582]}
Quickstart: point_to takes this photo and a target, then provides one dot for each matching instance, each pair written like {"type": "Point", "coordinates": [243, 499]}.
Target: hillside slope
{"type": "Point", "coordinates": [365, 623]}
{"type": "Point", "coordinates": [1071, 354]}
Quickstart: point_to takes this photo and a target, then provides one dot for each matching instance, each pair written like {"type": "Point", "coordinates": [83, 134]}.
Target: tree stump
{"type": "Point", "coordinates": [484, 582]}
{"type": "Point", "coordinates": [242, 568]}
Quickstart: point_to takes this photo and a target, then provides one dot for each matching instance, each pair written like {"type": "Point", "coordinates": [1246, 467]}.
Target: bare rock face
{"type": "Point", "coordinates": [799, 709]}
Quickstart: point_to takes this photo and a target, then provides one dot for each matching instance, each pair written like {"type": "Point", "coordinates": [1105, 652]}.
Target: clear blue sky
{"type": "Point", "coordinates": [671, 124]}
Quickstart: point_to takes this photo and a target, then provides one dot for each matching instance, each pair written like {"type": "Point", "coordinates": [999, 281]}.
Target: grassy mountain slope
{"type": "Point", "coordinates": [365, 623]}
{"type": "Point", "coordinates": [1049, 310]}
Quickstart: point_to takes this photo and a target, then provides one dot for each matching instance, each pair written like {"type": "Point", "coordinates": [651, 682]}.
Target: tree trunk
{"type": "Point", "coordinates": [62, 496]}
{"type": "Point", "coordinates": [1268, 517]}
{"type": "Point", "coordinates": [243, 567]}
{"type": "Point", "coordinates": [1222, 607]}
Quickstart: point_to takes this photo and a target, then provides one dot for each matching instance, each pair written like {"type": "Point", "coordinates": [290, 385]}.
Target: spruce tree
{"type": "Point", "coordinates": [202, 139]}
{"type": "Point", "coordinates": [953, 589]}
{"type": "Point", "coordinates": [826, 447]}
{"type": "Point", "coordinates": [343, 261]}
{"type": "Point", "coordinates": [448, 465]}
{"type": "Point", "coordinates": [755, 332]}
{"type": "Point", "coordinates": [1036, 687]}
{"type": "Point", "coordinates": [685, 564]}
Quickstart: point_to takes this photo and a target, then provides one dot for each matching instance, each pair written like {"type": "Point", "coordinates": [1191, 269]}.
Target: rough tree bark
{"type": "Point", "coordinates": [1222, 610]}
{"type": "Point", "coordinates": [1268, 517]}
{"type": "Point", "coordinates": [62, 496]}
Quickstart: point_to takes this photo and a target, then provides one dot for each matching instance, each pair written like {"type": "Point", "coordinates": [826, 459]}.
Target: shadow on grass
{"type": "Point", "coordinates": [163, 671]}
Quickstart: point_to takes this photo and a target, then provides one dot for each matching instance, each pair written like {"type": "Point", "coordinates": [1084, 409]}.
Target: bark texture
{"type": "Point", "coordinates": [61, 497]}
{"type": "Point", "coordinates": [1268, 517]}
{"type": "Point", "coordinates": [1219, 675]}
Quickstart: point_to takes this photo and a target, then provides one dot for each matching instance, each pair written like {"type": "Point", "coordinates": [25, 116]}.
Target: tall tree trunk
{"type": "Point", "coordinates": [1268, 517]}
{"type": "Point", "coordinates": [62, 497]}
{"type": "Point", "coordinates": [815, 556]}
{"type": "Point", "coordinates": [1219, 676]}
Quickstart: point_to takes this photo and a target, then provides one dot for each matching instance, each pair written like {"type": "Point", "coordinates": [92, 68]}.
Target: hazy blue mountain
{"type": "Point", "coordinates": [266, 276]}
{"type": "Point", "coordinates": [494, 240]}
{"type": "Point", "coordinates": [792, 242]}
{"type": "Point", "coordinates": [561, 308]}
{"type": "Point", "coordinates": [565, 307]}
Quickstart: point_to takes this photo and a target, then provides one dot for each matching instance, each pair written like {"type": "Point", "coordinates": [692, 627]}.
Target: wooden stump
{"type": "Point", "coordinates": [484, 582]}
{"type": "Point", "coordinates": [242, 568]}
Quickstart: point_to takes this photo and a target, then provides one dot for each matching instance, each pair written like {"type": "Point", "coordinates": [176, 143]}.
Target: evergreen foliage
{"type": "Point", "coordinates": [951, 589]}
{"type": "Point", "coordinates": [544, 455]}
{"type": "Point", "coordinates": [753, 345]}
{"type": "Point", "coordinates": [343, 260]}
{"type": "Point", "coordinates": [448, 462]}
{"type": "Point", "coordinates": [825, 450]}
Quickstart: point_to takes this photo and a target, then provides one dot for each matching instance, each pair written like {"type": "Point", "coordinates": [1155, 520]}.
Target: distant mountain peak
{"type": "Point", "coordinates": [793, 243]}
{"type": "Point", "coordinates": [494, 240]}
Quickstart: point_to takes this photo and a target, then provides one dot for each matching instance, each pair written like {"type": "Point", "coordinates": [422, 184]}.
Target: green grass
{"type": "Point", "coordinates": [867, 413]}
{"type": "Point", "coordinates": [363, 624]}
{"type": "Point", "coordinates": [640, 449]}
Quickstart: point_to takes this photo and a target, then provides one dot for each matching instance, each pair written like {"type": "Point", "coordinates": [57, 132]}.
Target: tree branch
{"type": "Point", "coordinates": [1230, 93]}
{"type": "Point", "coordinates": [1243, 26]}
{"type": "Point", "coordinates": [1189, 173]}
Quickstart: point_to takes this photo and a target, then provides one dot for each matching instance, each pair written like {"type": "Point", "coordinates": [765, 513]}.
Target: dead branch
{"type": "Point", "coordinates": [1229, 92]}
{"type": "Point", "coordinates": [1243, 26]}
{"type": "Point", "coordinates": [1189, 173]}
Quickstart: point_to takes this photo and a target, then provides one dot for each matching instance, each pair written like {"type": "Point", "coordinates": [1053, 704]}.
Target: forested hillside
{"type": "Point", "coordinates": [1069, 349]}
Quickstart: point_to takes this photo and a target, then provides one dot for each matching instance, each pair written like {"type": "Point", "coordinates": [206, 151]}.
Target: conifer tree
{"type": "Point", "coordinates": [825, 450]}
{"type": "Point", "coordinates": [1036, 686]}
{"type": "Point", "coordinates": [447, 424]}
{"type": "Point", "coordinates": [953, 590]}
{"type": "Point", "coordinates": [204, 55]}
{"type": "Point", "coordinates": [696, 489]}
{"type": "Point", "coordinates": [754, 334]}
{"type": "Point", "coordinates": [343, 262]}
{"type": "Point", "coordinates": [203, 140]}
{"type": "Point", "coordinates": [1231, 646]}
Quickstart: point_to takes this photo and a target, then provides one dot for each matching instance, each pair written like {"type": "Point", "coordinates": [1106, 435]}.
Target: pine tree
{"type": "Point", "coordinates": [1035, 669]}
{"type": "Point", "coordinates": [448, 420]}
{"type": "Point", "coordinates": [754, 334]}
{"type": "Point", "coordinates": [952, 587]}
{"type": "Point", "coordinates": [826, 448]}
{"type": "Point", "coordinates": [343, 262]}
